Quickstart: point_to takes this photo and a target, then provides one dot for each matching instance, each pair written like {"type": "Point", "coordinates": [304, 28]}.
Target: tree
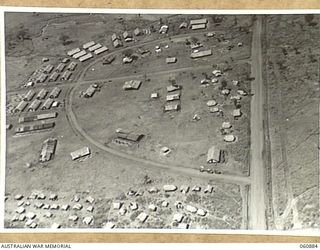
{"type": "Point", "coordinates": [194, 39]}
{"type": "Point", "coordinates": [235, 20]}
{"type": "Point", "coordinates": [205, 75]}
{"type": "Point", "coordinates": [23, 34]}
{"type": "Point", "coordinates": [147, 180]}
{"type": "Point", "coordinates": [127, 52]}
{"type": "Point", "coordinates": [224, 83]}
{"type": "Point", "coordinates": [172, 81]}
{"type": "Point", "coordinates": [308, 19]}
{"type": "Point", "coordinates": [65, 39]}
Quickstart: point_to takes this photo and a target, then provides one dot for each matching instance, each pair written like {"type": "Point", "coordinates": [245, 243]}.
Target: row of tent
{"type": "Point", "coordinates": [55, 75]}
{"type": "Point", "coordinates": [60, 68]}
{"type": "Point", "coordinates": [35, 105]}
{"type": "Point", "coordinates": [42, 94]}
{"type": "Point", "coordinates": [91, 46]}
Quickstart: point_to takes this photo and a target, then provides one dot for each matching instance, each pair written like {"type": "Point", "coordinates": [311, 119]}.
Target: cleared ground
{"type": "Point", "coordinates": [293, 92]}
{"type": "Point", "coordinates": [107, 177]}
{"type": "Point", "coordinates": [135, 111]}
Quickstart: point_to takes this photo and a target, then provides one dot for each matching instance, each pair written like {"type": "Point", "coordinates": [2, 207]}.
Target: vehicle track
{"type": "Point", "coordinates": [257, 206]}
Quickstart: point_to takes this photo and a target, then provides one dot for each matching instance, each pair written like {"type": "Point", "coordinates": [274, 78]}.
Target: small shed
{"type": "Point", "coordinates": [183, 25]}
{"type": "Point", "coordinates": [152, 207]}
{"type": "Point", "coordinates": [142, 217]}
{"type": "Point", "coordinates": [171, 60]}
{"type": "Point", "coordinates": [196, 45]}
{"type": "Point", "coordinates": [226, 125]}
{"type": "Point", "coordinates": [100, 50]}
{"type": "Point", "coordinates": [48, 69]}
{"type": "Point", "coordinates": [178, 217]}
{"type": "Point", "coordinates": [132, 84]}
{"type": "Point", "coordinates": [85, 57]}
{"type": "Point", "coordinates": [117, 43]}
{"type": "Point", "coordinates": [171, 107]}
{"type": "Point", "coordinates": [41, 78]}
{"type": "Point", "coordinates": [201, 212]}
{"type": "Point", "coordinates": [137, 32]}
{"type": "Point", "coordinates": [198, 21]}
{"type": "Point", "coordinates": [208, 189]}
{"type": "Point", "coordinates": [217, 72]}
{"type": "Point", "coordinates": [117, 205]}
{"type": "Point", "coordinates": [235, 82]}
{"type": "Point", "coordinates": [133, 206]}
{"type": "Point", "coordinates": [114, 37]}
{"type": "Point", "coordinates": [211, 103]}
{"type": "Point", "coordinates": [191, 209]}
{"type": "Point", "coordinates": [200, 54]}
{"type": "Point", "coordinates": [55, 226]}
{"type": "Point", "coordinates": [169, 188]}
{"type": "Point", "coordinates": [236, 113]}
{"type": "Point", "coordinates": [29, 95]}
{"type": "Point", "coordinates": [184, 189]}
{"type": "Point", "coordinates": [87, 220]}
{"type": "Point", "coordinates": [47, 116]}
{"type": "Point", "coordinates": [229, 138]}
{"type": "Point", "coordinates": [88, 44]}
{"type": "Point", "coordinates": [173, 97]}
{"type": "Point", "coordinates": [60, 67]}
{"type": "Point", "coordinates": [72, 66]}
{"type": "Point", "coordinates": [55, 93]}
{"type": "Point", "coordinates": [79, 54]}
{"type": "Point", "coordinates": [47, 104]}
{"type": "Point", "coordinates": [126, 35]}
{"type": "Point", "coordinates": [66, 75]}
{"type": "Point", "coordinates": [241, 92]}
{"type": "Point", "coordinates": [77, 207]}
{"type": "Point", "coordinates": [54, 77]}
{"type": "Point", "coordinates": [163, 29]}
{"type": "Point", "coordinates": [65, 60]}
{"type": "Point", "coordinates": [82, 152]}
{"type": "Point", "coordinates": [122, 211]}
{"type": "Point", "coordinates": [34, 105]}
{"type": "Point", "coordinates": [109, 225]}
{"type": "Point", "coordinates": [89, 92]}
{"type": "Point", "coordinates": [154, 95]}
{"type": "Point", "coordinates": [198, 26]}
{"type": "Point", "coordinates": [172, 88]}
{"type": "Point", "coordinates": [165, 204]}
{"type": "Point", "coordinates": [73, 218]}
{"type": "Point", "coordinates": [213, 155]}
{"type": "Point", "coordinates": [225, 91]}
{"type": "Point", "coordinates": [21, 106]}
{"type": "Point", "coordinates": [183, 226]}
{"type": "Point", "coordinates": [95, 47]}
{"type": "Point", "coordinates": [73, 51]}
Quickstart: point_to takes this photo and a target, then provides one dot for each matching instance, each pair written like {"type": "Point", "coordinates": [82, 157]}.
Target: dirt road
{"type": "Point", "coordinates": [257, 206]}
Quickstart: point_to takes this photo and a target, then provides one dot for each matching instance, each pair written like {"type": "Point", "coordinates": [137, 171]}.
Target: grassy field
{"type": "Point", "coordinates": [293, 113]}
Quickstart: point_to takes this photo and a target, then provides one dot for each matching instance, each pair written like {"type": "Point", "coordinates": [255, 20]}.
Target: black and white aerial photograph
{"type": "Point", "coordinates": [162, 121]}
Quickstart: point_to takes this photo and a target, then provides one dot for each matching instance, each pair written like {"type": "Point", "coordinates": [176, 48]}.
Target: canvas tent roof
{"type": "Point", "coordinates": [80, 153]}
